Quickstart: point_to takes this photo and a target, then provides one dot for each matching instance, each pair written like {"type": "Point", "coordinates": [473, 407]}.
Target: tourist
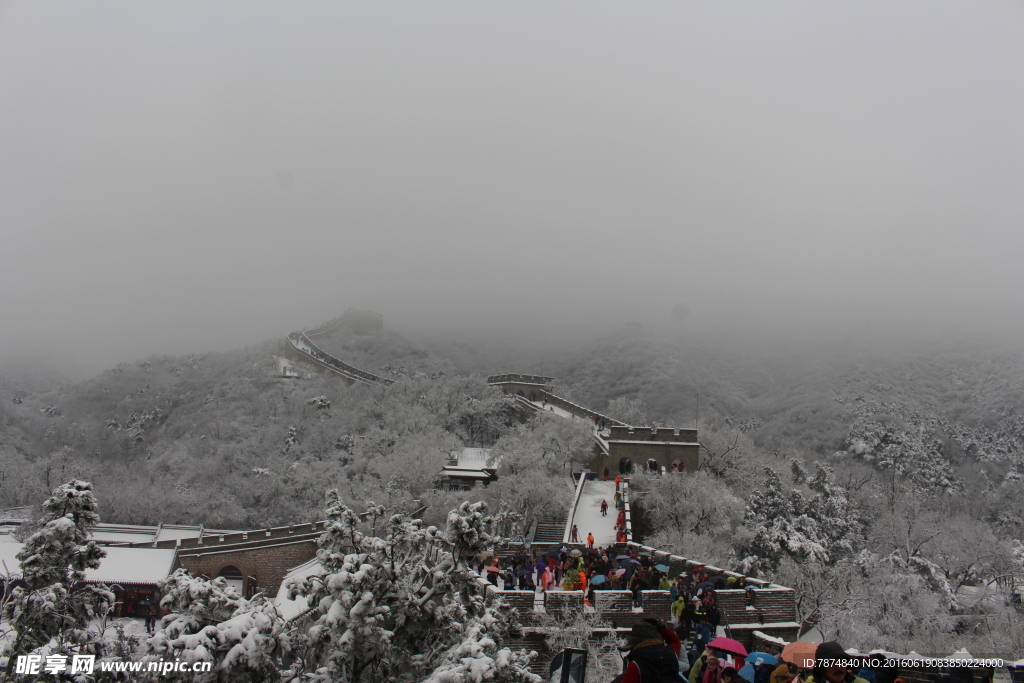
{"type": "Point", "coordinates": [574, 535]}
{"type": "Point", "coordinates": [590, 540]}
{"type": "Point", "coordinates": [638, 586]}
{"type": "Point", "coordinates": [762, 672]}
{"type": "Point", "coordinates": [707, 668]}
{"type": "Point", "coordinates": [604, 507]}
{"type": "Point", "coordinates": [702, 630]}
{"type": "Point", "coordinates": [829, 665]}
{"type": "Point", "coordinates": [653, 654]}
{"type": "Point", "coordinates": [678, 607]}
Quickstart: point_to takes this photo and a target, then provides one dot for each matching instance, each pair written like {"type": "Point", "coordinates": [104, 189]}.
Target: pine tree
{"type": "Point", "coordinates": [244, 640]}
{"type": "Point", "coordinates": [53, 560]}
{"type": "Point", "coordinates": [407, 606]}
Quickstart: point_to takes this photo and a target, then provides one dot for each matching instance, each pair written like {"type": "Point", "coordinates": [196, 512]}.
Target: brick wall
{"type": "Point", "coordinates": [267, 564]}
{"type": "Point", "coordinates": [639, 453]}
{"type": "Point", "coordinates": [746, 634]}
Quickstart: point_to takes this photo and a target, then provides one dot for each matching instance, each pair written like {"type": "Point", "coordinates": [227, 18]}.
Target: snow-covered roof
{"type": "Point", "coordinates": [136, 533]}
{"type": "Point", "coordinates": [123, 566]}
{"type": "Point", "coordinates": [474, 458]}
{"type": "Point", "coordinates": [133, 566]}
{"type": "Point", "coordinates": [468, 474]}
{"type": "Point", "coordinates": [289, 609]}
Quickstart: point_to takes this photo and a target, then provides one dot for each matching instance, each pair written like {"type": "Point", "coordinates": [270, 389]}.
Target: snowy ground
{"type": "Point", "coordinates": [588, 517]}
{"type": "Point", "coordinates": [555, 410]}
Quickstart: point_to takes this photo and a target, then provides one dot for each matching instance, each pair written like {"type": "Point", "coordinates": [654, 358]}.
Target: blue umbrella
{"type": "Point", "coordinates": [661, 567]}
{"type": "Point", "coordinates": [622, 557]}
{"type": "Point", "coordinates": [597, 580]}
{"type": "Point", "coordinates": [747, 671]}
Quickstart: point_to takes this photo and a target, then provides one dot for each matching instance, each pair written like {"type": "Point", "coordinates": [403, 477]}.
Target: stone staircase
{"type": "Point", "coordinates": [550, 529]}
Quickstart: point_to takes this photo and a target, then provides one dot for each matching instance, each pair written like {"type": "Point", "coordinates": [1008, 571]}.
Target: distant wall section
{"type": "Point", "coordinates": [638, 446]}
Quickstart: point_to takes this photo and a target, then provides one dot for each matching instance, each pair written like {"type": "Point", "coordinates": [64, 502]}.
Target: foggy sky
{"type": "Point", "coordinates": [180, 177]}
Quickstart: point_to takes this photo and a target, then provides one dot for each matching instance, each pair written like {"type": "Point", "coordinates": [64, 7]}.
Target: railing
{"type": "Point", "coordinates": [572, 511]}
{"type": "Point", "coordinates": [579, 410]}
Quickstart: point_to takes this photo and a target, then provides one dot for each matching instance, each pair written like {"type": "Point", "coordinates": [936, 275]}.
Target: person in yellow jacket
{"type": "Point", "coordinates": [678, 607]}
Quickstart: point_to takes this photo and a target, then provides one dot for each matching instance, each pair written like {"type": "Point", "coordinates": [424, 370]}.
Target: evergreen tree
{"type": "Point", "coordinates": [244, 640]}
{"type": "Point", "coordinates": [53, 560]}
{"type": "Point", "coordinates": [407, 606]}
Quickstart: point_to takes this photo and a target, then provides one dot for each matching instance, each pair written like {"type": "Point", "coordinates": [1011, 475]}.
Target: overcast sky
{"type": "Point", "coordinates": [199, 176]}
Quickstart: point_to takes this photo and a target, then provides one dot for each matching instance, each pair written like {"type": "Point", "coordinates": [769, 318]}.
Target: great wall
{"type": "Point", "coordinates": [764, 619]}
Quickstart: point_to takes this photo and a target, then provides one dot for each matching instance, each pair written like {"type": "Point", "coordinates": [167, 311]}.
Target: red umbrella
{"type": "Point", "coordinates": [733, 647]}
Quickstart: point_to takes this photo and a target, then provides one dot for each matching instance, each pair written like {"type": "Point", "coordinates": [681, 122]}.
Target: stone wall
{"type": "Point", "coordinates": [263, 567]}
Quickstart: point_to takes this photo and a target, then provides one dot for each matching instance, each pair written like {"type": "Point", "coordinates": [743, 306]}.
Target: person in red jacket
{"type": "Point", "coordinates": [654, 651]}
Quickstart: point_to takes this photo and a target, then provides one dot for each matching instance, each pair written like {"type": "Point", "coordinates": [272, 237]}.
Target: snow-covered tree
{"type": "Point", "coordinates": [406, 605]}
{"type": "Point", "coordinates": [53, 560]}
{"type": "Point", "coordinates": [243, 639]}
{"type": "Point", "coordinates": [785, 523]}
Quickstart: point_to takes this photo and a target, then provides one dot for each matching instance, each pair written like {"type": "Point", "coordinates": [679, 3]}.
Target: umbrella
{"type": "Point", "coordinates": [622, 557]}
{"type": "Point", "coordinates": [770, 660]}
{"type": "Point", "coordinates": [525, 572]}
{"type": "Point", "coordinates": [597, 580]}
{"type": "Point", "coordinates": [591, 551]}
{"type": "Point", "coordinates": [661, 567]}
{"type": "Point", "coordinates": [620, 572]}
{"type": "Point", "coordinates": [634, 561]}
{"type": "Point", "coordinates": [493, 569]}
{"type": "Point", "coordinates": [706, 584]}
{"type": "Point", "coordinates": [746, 672]}
{"type": "Point", "coordinates": [575, 553]}
{"type": "Point", "coordinates": [733, 647]}
{"type": "Point", "coordinates": [800, 653]}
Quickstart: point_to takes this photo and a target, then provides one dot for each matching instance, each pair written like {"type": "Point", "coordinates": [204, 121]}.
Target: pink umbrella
{"type": "Point", "coordinates": [620, 572]}
{"type": "Point", "coordinates": [493, 569]}
{"type": "Point", "coordinates": [733, 647]}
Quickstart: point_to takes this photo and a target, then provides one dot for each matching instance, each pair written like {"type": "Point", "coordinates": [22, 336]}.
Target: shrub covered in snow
{"type": "Point", "coordinates": [244, 640]}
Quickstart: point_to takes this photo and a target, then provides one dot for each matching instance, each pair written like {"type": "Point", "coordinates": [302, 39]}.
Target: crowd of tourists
{"type": "Point", "coordinates": [590, 570]}
{"type": "Point", "coordinates": [653, 652]}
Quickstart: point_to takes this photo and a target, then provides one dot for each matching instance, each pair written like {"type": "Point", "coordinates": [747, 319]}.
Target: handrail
{"type": "Point", "coordinates": [572, 510]}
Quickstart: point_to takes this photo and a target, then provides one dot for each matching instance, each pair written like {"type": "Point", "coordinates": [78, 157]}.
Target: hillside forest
{"type": "Point", "coordinates": [885, 484]}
